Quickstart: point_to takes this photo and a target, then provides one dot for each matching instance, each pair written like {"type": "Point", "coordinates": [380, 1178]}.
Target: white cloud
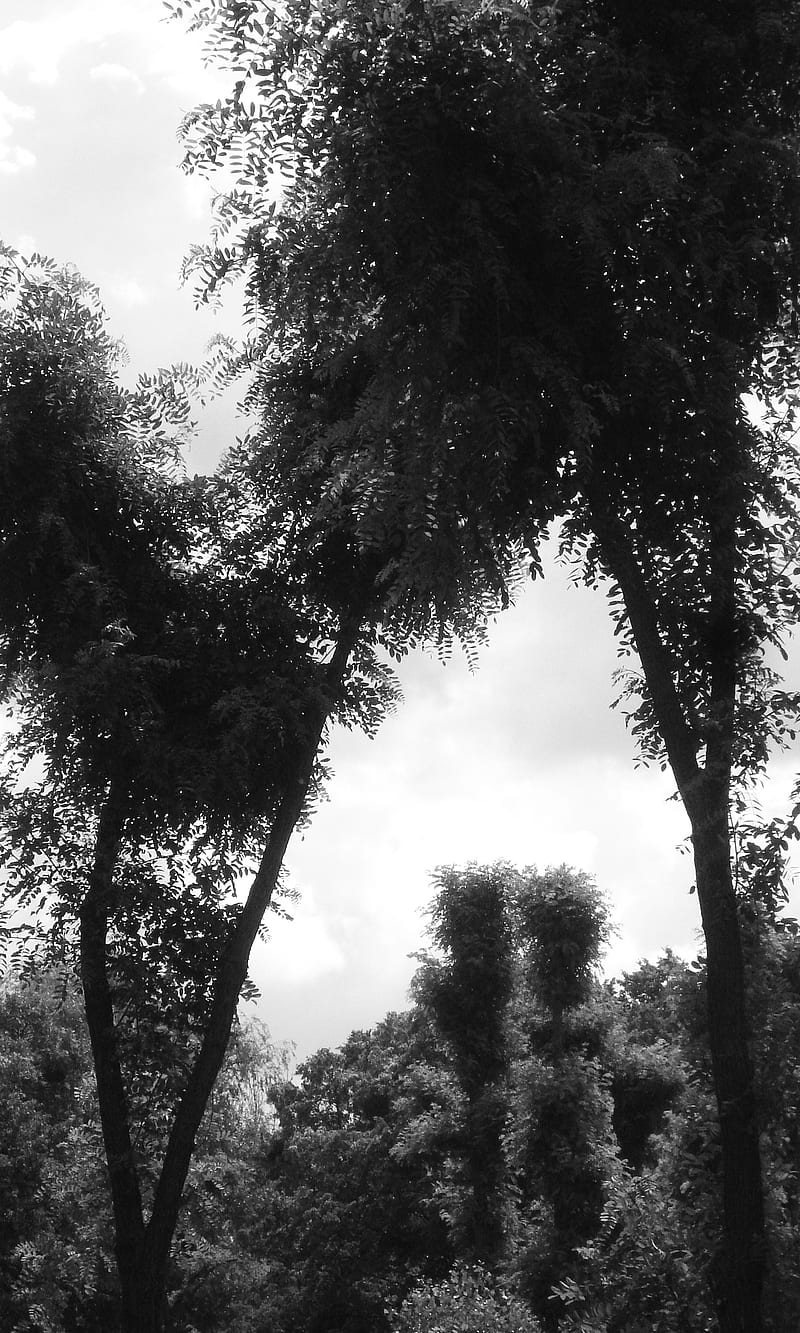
{"type": "Point", "coordinates": [197, 196]}
{"type": "Point", "coordinates": [177, 59]}
{"type": "Point", "coordinates": [38, 46]}
{"type": "Point", "coordinates": [117, 76]}
{"type": "Point", "coordinates": [30, 46]}
{"type": "Point", "coordinates": [11, 112]}
{"type": "Point", "coordinates": [13, 157]}
{"type": "Point", "coordinates": [301, 951]}
{"type": "Point", "coordinates": [15, 160]}
{"type": "Point", "coordinates": [127, 291]}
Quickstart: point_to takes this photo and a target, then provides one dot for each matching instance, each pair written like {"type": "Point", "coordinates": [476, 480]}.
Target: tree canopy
{"type": "Point", "coordinates": [530, 262]}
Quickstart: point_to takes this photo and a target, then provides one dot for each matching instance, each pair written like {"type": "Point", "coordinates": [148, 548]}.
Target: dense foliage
{"type": "Point", "coordinates": [343, 1199]}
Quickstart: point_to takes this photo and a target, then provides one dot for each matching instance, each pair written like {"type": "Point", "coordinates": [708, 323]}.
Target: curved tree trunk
{"type": "Point", "coordinates": [143, 1249]}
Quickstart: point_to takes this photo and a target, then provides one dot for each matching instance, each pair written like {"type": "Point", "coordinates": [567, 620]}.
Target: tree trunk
{"type": "Point", "coordinates": [738, 1275]}
{"type": "Point", "coordinates": [738, 1278]}
{"type": "Point", "coordinates": [144, 1301]}
{"type": "Point", "coordinates": [112, 1098]}
{"type": "Point", "coordinates": [144, 1254]}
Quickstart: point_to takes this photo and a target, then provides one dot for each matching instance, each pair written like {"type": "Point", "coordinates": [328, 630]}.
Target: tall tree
{"type": "Point", "coordinates": [172, 679]}
{"type": "Point", "coordinates": [561, 1141]}
{"type": "Point", "coordinates": [467, 990]}
{"type": "Point", "coordinates": [528, 262]}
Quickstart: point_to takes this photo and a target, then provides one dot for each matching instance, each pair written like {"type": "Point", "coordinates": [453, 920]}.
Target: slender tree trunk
{"type": "Point", "coordinates": [705, 791]}
{"type": "Point", "coordinates": [145, 1279]}
{"type": "Point", "coordinates": [738, 1278]}
{"type": "Point", "coordinates": [112, 1098]}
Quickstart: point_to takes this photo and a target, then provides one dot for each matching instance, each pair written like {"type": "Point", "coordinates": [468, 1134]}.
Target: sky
{"type": "Point", "coordinates": [523, 760]}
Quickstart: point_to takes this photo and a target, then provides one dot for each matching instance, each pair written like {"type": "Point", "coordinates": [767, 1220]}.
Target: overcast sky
{"type": "Point", "coordinates": [522, 761]}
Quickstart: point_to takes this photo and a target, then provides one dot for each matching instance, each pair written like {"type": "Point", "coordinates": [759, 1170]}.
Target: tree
{"type": "Point", "coordinates": [508, 990]}
{"type": "Point", "coordinates": [560, 1141]}
{"type": "Point", "coordinates": [467, 991]}
{"type": "Point", "coordinates": [172, 681]}
{"type": "Point", "coordinates": [336, 1213]}
{"type": "Point", "coordinates": [528, 263]}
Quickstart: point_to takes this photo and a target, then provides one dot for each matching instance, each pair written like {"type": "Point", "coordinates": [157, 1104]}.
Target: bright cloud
{"type": "Point", "coordinates": [25, 45]}
{"type": "Point", "coordinates": [301, 951]}
{"type": "Point", "coordinates": [39, 43]}
{"type": "Point", "coordinates": [117, 76]}
{"type": "Point", "coordinates": [25, 243]}
{"type": "Point", "coordinates": [197, 194]}
{"type": "Point", "coordinates": [13, 157]}
{"type": "Point", "coordinates": [10, 112]}
{"type": "Point", "coordinates": [127, 291]}
{"type": "Point", "coordinates": [15, 160]}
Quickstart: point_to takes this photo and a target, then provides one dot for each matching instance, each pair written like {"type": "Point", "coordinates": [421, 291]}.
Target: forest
{"type": "Point", "coordinates": [509, 274]}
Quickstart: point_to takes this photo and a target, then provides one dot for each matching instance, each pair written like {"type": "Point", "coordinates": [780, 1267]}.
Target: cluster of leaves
{"type": "Point", "coordinates": [467, 1301]}
{"type": "Point", "coordinates": [162, 649]}
{"type": "Point", "coordinates": [507, 262]}
{"type": "Point", "coordinates": [55, 1261]}
{"type": "Point", "coordinates": [152, 625]}
{"type": "Point", "coordinates": [385, 269]}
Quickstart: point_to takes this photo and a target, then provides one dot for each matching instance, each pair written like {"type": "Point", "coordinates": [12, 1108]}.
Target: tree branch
{"type": "Point", "coordinates": [657, 662]}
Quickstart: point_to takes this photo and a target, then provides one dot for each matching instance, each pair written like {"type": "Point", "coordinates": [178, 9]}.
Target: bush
{"type": "Point", "coordinates": [467, 1301]}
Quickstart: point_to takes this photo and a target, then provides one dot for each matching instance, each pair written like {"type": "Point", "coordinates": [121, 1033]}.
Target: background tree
{"type": "Point", "coordinates": [560, 1141]}
{"type": "Point", "coordinates": [336, 1212]}
{"type": "Point", "coordinates": [467, 1301]}
{"type": "Point", "coordinates": [56, 1267]}
{"type": "Point", "coordinates": [466, 990]}
{"type": "Point", "coordinates": [563, 925]}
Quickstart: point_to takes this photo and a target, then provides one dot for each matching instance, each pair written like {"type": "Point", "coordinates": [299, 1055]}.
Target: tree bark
{"type": "Point", "coordinates": [738, 1277]}
{"type": "Point", "coordinates": [145, 1303]}
{"type": "Point", "coordinates": [111, 1095]}
{"type": "Point", "coordinates": [738, 1274]}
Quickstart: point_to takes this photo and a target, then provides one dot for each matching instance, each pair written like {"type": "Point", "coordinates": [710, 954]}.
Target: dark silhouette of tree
{"type": "Point", "coordinates": [172, 682]}
{"type": "Point", "coordinates": [528, 264]}
{"type": "Point", "coordinates": [466, 990]}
